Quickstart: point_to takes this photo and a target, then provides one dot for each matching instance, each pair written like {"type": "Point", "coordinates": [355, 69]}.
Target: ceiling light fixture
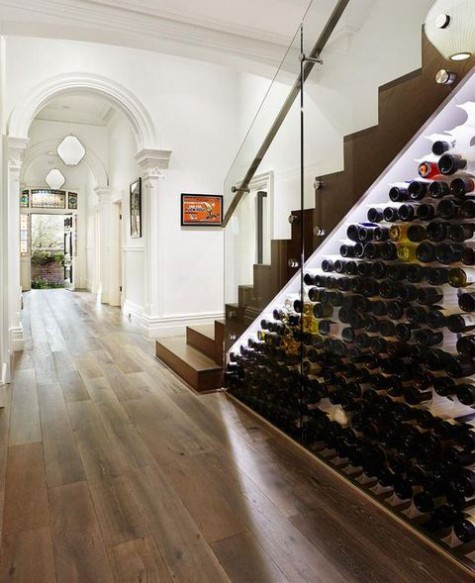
{"type": "Point", "coordinates": [55, 179]}
{"type": "Point", "coordinates": [71, 151]}
{"type": "Point", "coordinates": [450, 27]}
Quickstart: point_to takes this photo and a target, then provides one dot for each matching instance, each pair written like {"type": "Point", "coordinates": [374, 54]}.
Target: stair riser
{"type": "Point", "coordinates": [203, 343]}
{"type": "Point", "coordinates": [201, 381]}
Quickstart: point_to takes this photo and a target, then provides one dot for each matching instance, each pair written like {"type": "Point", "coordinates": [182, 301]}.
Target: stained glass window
{"type": "Point", "coordinates": [23, 235]}
{"type": "Point", "coordinates": [25, 199]}
{"type": "Point", "coordinates": [48, 199]}
{"type": "Point", "coordinates": [72, 200]}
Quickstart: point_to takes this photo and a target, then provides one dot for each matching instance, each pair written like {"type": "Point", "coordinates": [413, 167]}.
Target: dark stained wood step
{"type": "Point", "coordinates": [199, 371]}
{"type": "Point", "coordinates": [202, 338]}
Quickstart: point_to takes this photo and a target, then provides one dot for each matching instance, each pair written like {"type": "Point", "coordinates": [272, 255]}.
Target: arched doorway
{"type": "Point", "coordinates": [149, 159]}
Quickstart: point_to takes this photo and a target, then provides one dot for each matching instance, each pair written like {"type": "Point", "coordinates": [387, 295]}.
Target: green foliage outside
{"type": "Point", "coordinates": [40, 257]}
{"type": "Point", "coordinates": [41, 283]}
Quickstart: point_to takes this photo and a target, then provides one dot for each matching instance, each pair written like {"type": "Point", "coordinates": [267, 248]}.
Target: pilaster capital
{"type": "Point", "coordinates": [16, 151]}
{"type": "Point", "coordinates": [152, 162]}
{"type": "Point", "coordinates": [104, 194]}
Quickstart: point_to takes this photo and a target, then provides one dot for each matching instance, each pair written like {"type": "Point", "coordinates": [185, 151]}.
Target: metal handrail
{"type": "Point", "coordinates": [309, 62]}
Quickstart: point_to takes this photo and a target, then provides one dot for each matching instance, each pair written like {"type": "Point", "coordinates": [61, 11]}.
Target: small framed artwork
{"type": "Point", "coordinates": [201, 210]}
{"type": "Point", "coordinates": [136, 209]}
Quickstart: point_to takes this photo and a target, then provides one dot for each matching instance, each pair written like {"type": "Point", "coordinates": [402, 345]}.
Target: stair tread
{"type": "Point", "coordinates": [194, 358]}
{"type": "Point", "coordinates": [204, 329]}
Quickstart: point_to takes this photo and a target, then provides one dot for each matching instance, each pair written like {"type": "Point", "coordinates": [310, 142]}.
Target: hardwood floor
{"type": "Point", "coordinates": [111, 469]}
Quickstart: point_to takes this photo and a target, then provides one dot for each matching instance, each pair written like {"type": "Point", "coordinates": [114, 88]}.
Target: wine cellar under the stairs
{"type": "Point", "coordinates": [414, 97]}
{"type": "Point", "coordinates": [367, 357]}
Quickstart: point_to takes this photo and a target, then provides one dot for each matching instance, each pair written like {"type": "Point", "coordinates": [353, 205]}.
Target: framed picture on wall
{"type": "Point", "coordinates": [201, 210]}
{"type": "Point", "coordinates": [136, 208]}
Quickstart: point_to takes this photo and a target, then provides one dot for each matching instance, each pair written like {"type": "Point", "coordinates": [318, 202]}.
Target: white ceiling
{"type": "Point", "coordinates": [248, 30]}
{"type": "Point", "coordinates": [77, 109]}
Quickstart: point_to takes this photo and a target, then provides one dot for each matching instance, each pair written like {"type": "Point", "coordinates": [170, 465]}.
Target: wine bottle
{"type": "Point", "coordinates": [427, 337]}
{"type": "Point", "coordinates": [451, 163]}
{"type": "Point", "coordinates": [417, 189]}
{"type": "Point", "coordinates": [439, 189]}
{"type": "Point", "coordinates": [466, 346]}
{"type": "Point", "coordinates": [464, 528]}
{"type": "Point", "coordinates": [374, 215]}
{"type": "Point", "coordinates": [468, 209]}
{"type": "Point", "coordinates": [439, 147]}
{"type": "Point", "coordinates": [449, 209]}
{"type": "Point", "coordinates": [428, 170]}
{"type": "Point", "coordinates": [449, 253]}
{"type": "Point", "coordinates": [437, 275]}
{"type": "Point", "coordinates": [466, 302]}
{"type": "Point", "coordinates": [461, 277]}
{"type": "Point", "coordinates": [407, 252]}
{"type": "Point", "coordinates": [466, 394]}
{"type": "Point", "coordinates": [391, 214]}
{"type": "Point", "coordinates": [398, 193]}
{"type": "Point", "coordinates": [416, 233]}
{"type": "Point", "coordinates": [425, 212]}
{"type": "Point", "coordinates": [426, 252]}
{"type": "Point", "coordinates": [462, 186]}
{"type": "Point", "coordinates": [429, 295]}
{"type": "Point", "coordinates": [416, 273]}
{"type": "Point", "coordinates": [460, 232]}
{"type": "Point", "coordinates": [437, 231]}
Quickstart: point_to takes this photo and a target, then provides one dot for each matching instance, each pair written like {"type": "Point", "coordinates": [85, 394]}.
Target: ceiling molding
{"type": "Point", "coordinates": [256, 45]}
{"type": "Point", "coordinates": [192, 19]}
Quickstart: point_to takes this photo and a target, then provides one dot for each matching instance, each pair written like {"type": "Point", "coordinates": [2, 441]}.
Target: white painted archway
{"type": "Point", "coordinates": [151, 160]}
{"type": "Point", "coordinates": [117, 95]}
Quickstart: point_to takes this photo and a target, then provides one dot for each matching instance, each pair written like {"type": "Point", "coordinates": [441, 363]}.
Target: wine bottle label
{"type": "Point", "coordinates": [468, 319]}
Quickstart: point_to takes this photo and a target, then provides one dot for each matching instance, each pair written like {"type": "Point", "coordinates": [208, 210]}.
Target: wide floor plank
{"type": "Point", "coordinates": [79, 550]}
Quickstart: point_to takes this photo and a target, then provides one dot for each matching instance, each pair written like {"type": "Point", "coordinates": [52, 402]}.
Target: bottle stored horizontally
{"type": "Point", "coordinates": [439, 147]}
{"type": "Point", "coordinates": [428, 170]}
{"type": "Point", "coordinates": [451, 163]}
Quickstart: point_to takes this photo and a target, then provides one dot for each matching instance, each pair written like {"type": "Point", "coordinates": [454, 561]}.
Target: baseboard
{"type": "Point", "coordinates": [17, 341]}
{"type": "Point", "coordinates": [167, 325]}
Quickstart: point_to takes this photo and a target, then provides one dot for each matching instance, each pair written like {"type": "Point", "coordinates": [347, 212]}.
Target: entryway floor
{"type": "Point", "coordinates": [111, 469]}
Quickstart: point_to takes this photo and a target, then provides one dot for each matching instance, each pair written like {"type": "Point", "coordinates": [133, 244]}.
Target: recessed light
{"type": "Point", "coordinates": [460, 56]}
{"type": "Point", "coordinates": [442, 21]}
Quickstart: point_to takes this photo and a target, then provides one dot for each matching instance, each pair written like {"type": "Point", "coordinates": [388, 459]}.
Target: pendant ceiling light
{"type": "Point", "coordinates": [450, 27]}
{"type": "Point", "coordinates": [71, 151]}
{"type": "Point", "coordinates": [55, 179]}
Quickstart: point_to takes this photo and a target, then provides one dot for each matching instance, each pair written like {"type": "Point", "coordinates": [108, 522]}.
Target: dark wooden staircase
{"type": "Point", "coordinates": [197, 357]}
{"type": "Point", "coordinates": [405, 104]}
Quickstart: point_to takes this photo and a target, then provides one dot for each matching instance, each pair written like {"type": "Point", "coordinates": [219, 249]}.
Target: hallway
{"type": "Point", "coordinates": [112, 470]}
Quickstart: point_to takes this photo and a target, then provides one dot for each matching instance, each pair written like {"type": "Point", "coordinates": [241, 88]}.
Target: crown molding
{"type": "Point", "coordinates": [149, 10]}
{"type": "Point", "coordinates": [118, 24]}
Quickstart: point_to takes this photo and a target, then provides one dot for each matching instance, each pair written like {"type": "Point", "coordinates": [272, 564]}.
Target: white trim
{"type": "Point", "coordinates": [172, 325]}
{"type": "Point", "coordinates": [117, 95]}
{"type": "Point", "coordinates": [17, 340]}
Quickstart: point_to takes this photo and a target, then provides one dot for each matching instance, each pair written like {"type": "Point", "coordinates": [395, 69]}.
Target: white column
{"type": "Point", "coordinates": [106, 242]}
{"type": "Point", "coordinates": [16, 150]}
{"type": "Point", "coordinates": [152, 164]}
{"type": "Point", "coordinates": [5, 350]}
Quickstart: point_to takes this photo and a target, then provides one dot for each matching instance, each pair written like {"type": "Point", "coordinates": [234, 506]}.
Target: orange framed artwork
{"type": "Point", "coordinates": [201, 210]}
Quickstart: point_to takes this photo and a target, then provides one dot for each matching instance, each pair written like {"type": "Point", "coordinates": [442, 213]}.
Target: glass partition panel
{"type": "Point", "coordinates": [366, 354]}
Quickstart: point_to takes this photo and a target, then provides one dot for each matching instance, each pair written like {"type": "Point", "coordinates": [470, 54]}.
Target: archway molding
{"type": "Point", "coordinates": [84, 83]}
{"type": "Point", "coordinates": [47, 147]}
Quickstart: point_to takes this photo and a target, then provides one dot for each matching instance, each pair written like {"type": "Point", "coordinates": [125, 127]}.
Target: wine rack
{"type": "Point", "coordinates": [367, 357]}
